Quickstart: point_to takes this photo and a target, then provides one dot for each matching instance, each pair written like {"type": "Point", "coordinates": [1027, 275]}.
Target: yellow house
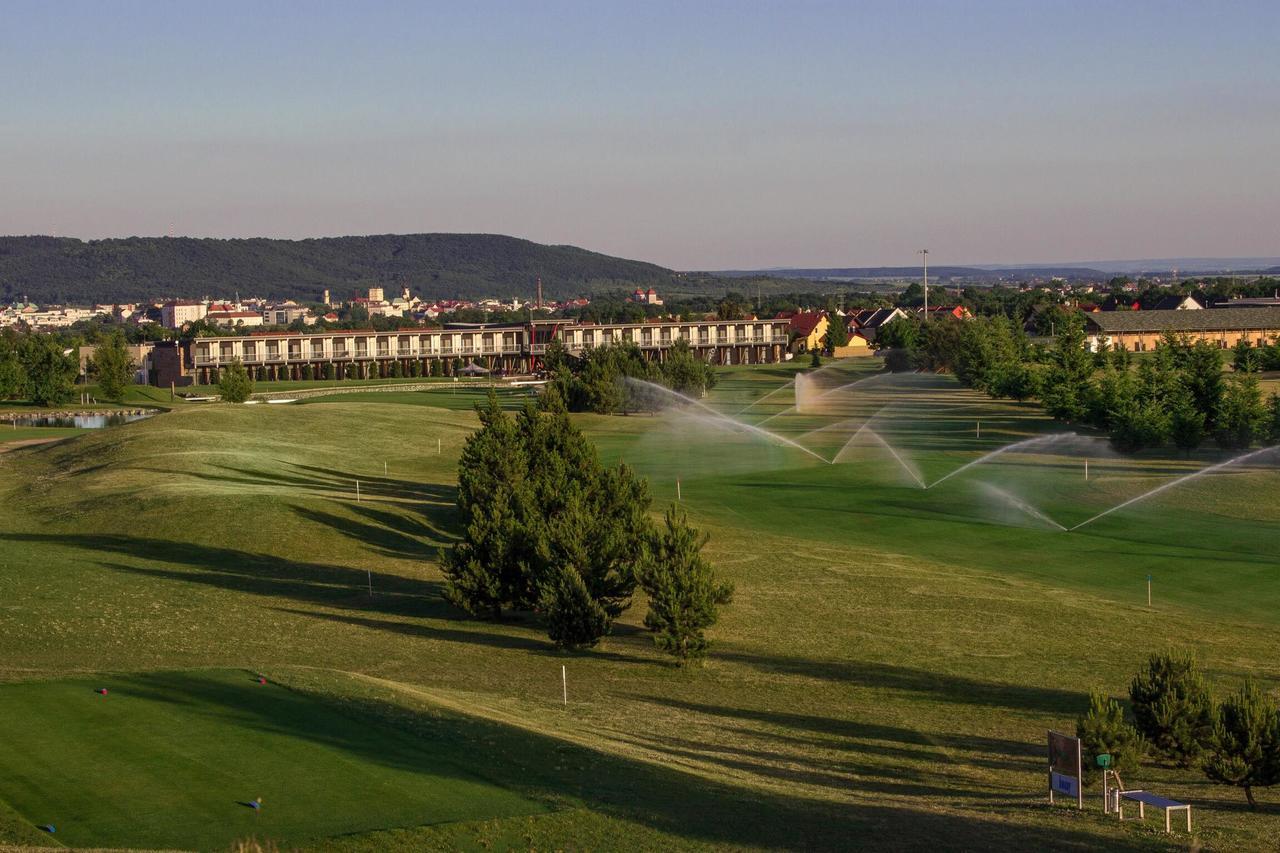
{"type": "Point", "coordinates": [807, 330]}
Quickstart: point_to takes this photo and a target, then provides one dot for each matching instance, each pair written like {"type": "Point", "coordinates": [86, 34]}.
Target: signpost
{"type": "Point", "coordinates": [1066, 767]}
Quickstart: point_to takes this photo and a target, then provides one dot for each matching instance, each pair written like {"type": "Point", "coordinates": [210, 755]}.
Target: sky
{"type": "Point", "coordinates": [697, 135]}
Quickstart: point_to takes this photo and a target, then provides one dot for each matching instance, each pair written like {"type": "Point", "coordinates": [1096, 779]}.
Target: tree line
{"type": "Point", "coordinates": [611, 379]}
{"type": "Point", "coordinates": [1176, 395]}
{"type": "Point", "coordinates": [43, 370]}
{"type": "Point", "coordinates": [1175, 720]}
{"type": "Point", "coordinates": [549, 530]}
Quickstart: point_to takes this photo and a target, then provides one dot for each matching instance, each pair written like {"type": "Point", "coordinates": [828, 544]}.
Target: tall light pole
{"type": "Point", "coordinates": [924, 257]}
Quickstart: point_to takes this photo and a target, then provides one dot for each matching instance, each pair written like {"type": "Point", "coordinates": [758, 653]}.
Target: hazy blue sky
{"type": "Point", "coordinates": [697, 135]}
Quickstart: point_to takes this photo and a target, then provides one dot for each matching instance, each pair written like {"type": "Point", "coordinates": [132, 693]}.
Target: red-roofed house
{"type": "Point", "coordinates": [806, 329]}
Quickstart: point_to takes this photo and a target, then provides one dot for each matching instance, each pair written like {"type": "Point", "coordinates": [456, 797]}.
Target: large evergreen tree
{"type": "Point", "coordinates": [547, 526]}
{"type": "Point", "coordinates": [684, 593]}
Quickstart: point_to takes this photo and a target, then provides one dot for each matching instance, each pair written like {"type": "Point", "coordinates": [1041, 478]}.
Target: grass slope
{"type": "Point", "coordinates": [883, 679]}
{"type": "Point", "coordinates": [172, 760]}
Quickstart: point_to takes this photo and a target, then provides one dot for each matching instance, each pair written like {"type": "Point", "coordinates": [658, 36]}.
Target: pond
{"type": "Point", "coordinates": [88, 420]}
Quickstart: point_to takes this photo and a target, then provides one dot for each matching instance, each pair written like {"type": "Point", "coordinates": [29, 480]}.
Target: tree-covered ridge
{"type": "Point", "coordinates": [63, 269]}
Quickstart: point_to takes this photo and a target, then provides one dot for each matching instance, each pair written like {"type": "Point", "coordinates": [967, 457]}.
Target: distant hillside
{"type": "Point", "coordinates": [54, 269]}
{"type": "Point", "coordinates": [869, 273]}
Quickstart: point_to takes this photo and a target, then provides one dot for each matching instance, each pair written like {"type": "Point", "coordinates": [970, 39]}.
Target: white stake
{"type": "Point", "coordinates": [564, 684]}
{"type": "Point", "coordinates": [384, 469]}
{"type": "Point", "coordinates": [1148, 590]}
{"type": "Point", "coordinates": [678, 488]}
{"type": "Point", "coordinates": [979, 429]}
{"type": "Point", "coordinates": [357, 491]}
{"type": "Point", "coordinates": [1086, 469]}
{"type": "Point", "coordinates": [438, 447]}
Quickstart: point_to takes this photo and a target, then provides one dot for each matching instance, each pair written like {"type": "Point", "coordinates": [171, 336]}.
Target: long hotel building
{"type": "Point", "coordinates": [510, 348]}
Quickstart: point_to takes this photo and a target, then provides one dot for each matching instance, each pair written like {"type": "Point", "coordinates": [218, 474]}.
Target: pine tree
{"type": "Point", "coordinates": [114, 366]}
{"type": "Point", "coordinates": [1103, 730]}
{"type": "Point", "coordinates": [235, 385]}
{"type": "Point", "coordinates": [1244, 750]}
{"type": "Point", "coordinates": [1241, 414]}
{"type": "Point", "coordinates": [484, 571]}
{"type": "Point", "coordinates": [1172, 708]}
{"type": "Point", "coordinates": [684, 594]}
{"type": "Point", "coordinates": [1186, 426]}
{"type": "Point", "coordinates": [575, 620]}
{"type": "Point", "coordinates": [1273, 418]}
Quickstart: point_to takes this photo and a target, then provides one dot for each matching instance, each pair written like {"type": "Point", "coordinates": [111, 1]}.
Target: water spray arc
{"type": "Point", "coordinates": [711, 415]}
{"type": "Point", "coordinates": [1169, 485]}
{"type": "Point", "coordinates": [1044, 439]}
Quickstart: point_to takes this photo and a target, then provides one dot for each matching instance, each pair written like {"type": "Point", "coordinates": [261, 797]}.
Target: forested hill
{"type": "Point", "coordinates": [57, 269]}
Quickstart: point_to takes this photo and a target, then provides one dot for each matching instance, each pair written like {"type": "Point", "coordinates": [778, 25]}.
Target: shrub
{"type": "Point", "coordinates": [684, 594]}
{"type": "Point", "coordinates": [1245, 748]}
{"type": "Point", "coordinates": [235, 385]}
{"type": "Point", "coordinates": [1102, 729]}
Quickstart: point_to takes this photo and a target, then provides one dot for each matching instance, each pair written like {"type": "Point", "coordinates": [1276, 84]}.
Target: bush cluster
{"type": "Point", "coordinates": [1235, 742]}
{"type": "Point", "coordinates": [601, 380]}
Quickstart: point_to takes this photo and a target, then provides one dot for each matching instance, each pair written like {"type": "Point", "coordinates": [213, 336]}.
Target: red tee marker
{"type": "Point", "coordinates": [102, 691]}
{"type": "Point", "coordinates": [262, 681]}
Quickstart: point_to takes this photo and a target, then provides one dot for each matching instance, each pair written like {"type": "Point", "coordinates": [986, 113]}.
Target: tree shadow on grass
{"type": "Point", "coordinates": [260, 574]}
{"type": "Point", "coordinates": [482, 635]}
{"type": "Point", "coordinates": [938, 686]}
{"type": "Point", "coordinates": [407, 736]}
{"type": "Point", "coordinates": [390, 534]}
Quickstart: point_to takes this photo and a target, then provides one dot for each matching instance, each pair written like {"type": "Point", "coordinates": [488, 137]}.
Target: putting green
{"type": "Point", "coordinates": [172, 760]}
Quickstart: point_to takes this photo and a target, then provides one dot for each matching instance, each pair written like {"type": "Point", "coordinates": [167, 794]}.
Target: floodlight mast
{"type": "Point", "coordinates": [924, 257]}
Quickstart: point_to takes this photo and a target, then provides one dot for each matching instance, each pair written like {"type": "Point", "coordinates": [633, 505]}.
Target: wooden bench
{"type": "Point", "coordinates": [1146, 798]}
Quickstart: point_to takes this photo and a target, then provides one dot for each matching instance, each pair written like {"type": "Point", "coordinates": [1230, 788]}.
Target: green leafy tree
{"type": "Point", "coordinates": [235, 385]}
{"type": "Point", "coordinates": [684, 593]}
{"type": "Point", "coordinates": [837, 334]}
{"type": "Point", "coordinates": [1244, 750]}
{"type": "Point", "coordinates": [1172, 707]}
{"type": "Point", "coordinates": [1273, 418]}
{"type": "Point", "coordinates": [1104, 730]}
{"type": "Point", "coordinates": [1241, 415]}
{"type": "Point", "coordinates": [685, 373]}
{"type": "Point", "coordinates": [50, 369]}
{"type": "Point", "coordinates": [113, 365]}
{"type": "Point", "coordinates": [13, 377]}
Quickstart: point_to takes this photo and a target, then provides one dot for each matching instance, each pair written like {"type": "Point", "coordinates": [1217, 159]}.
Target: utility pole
{"type": "Point", "coordinates": [924, 257]}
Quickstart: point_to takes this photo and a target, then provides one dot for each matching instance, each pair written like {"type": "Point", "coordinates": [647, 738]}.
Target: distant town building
{"type": "Point", "coordinates": [175, 315]}
{"type": "Point", "coordinates": [233, 318]}
{"type": "Point", "coordinates": [645, 297]}
{"type": "Point", "coordinates": [1178, 303]}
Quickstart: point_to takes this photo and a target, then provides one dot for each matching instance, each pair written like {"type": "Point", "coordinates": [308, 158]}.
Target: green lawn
{"type": "Point", "coordinates": [883, 678]}
{"type": "Point", "coordinates": [172, 760]}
